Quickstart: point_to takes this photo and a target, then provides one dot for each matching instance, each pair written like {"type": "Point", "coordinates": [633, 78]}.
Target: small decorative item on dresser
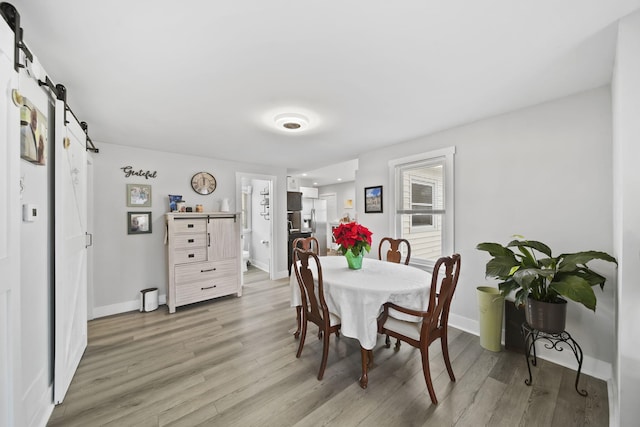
{"type": "Point", "coordinates": [199, 208]}
{"type": "Point", "coordinates": [173, 200]}
{"type": "Point", "coordinates": [353, 239]}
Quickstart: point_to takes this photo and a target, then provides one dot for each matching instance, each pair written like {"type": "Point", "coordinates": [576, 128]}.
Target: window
{"type": "Point", "coordinates": [423, 204]}
{"type": "Point", "coordinates": [421, 197]}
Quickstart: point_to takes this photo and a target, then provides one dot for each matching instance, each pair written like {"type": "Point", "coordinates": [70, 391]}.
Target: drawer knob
{"type": "Point", "coordinates": [208, 287]}
{"type": "Point", "coordinates": [190, 241]}
{"type": "Point", "coordinates": [189, 225]}
{"type": "Point", "coordinates": [191, 255]}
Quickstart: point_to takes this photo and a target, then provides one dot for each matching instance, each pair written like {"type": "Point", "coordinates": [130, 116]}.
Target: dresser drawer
{"type": "Point", "coordinates": [206, 271]}
{"type": "Point", "coordinates": [190, 225]}
{"type": "Point", "coordinates": [206, 289]}
{"type": "Point", "coordinates": [184, 241]}
{"type": "Point", "coordinates": [184, 256]}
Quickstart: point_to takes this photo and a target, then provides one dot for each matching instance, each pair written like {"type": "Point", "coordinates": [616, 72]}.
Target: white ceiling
{"type": "Point", "coordinates": [207, 77]}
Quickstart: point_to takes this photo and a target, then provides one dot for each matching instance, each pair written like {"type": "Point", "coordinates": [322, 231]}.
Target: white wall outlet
{"type": "Point", "coordinates": [29, 212]}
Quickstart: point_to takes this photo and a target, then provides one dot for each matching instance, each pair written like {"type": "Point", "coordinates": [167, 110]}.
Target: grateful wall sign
{"type": "Point", "coordinates": [129, 171]}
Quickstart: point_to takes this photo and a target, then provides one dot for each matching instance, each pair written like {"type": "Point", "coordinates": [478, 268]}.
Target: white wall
{"type": "Point", "coordinates": [345, 191]}
{"type": "Point", "coordinates": [543, 172]}
{"type": "Point", "coordinates": [126, 264]}
{"type": "Point", "coordinates": [260, 227]}
{"type": "Point", "coordinates": [626, 108]}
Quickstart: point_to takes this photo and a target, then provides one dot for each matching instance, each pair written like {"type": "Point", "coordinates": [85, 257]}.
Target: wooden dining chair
{"type": "Point", "coordinates": [314, 306]}
{"type": "Point", "coordinates": [393, 253]}
{"type": "Point", "coordinates": [306, 244]}
{"type": "Point", "coordinates": [434, 323]}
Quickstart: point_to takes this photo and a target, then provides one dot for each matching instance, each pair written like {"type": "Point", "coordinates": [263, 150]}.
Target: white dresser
{"type": "Point", "coordinates": [203, 256]}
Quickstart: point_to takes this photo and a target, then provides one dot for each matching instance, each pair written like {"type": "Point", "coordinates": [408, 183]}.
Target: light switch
{"type": "Point", "coordinates": [29, 212]}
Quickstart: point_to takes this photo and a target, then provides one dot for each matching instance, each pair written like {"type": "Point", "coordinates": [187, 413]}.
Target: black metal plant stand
{"type": "Point", "coordinates": [553, 341]}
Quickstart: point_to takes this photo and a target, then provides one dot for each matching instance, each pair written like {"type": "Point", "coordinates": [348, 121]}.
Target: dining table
{"type": "Point", "coordinates": [357, 296]}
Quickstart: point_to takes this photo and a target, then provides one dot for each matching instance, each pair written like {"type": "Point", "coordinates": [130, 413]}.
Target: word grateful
{"type": "Point", "coordinates": [128, 171]}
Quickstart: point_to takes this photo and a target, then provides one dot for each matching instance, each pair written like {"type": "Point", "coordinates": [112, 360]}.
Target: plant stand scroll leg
{"type": "Point", "coordinates": [528, 346]}
{"type": "Point", "coordinates": [577, 351]}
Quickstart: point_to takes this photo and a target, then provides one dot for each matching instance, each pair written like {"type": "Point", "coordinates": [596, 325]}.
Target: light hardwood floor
{"type": "Point", "coordinates": [231, 362]}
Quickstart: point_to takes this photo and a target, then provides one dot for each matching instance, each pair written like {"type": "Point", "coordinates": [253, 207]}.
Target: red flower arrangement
{"type": "Point", "coordinates": [352, 236]}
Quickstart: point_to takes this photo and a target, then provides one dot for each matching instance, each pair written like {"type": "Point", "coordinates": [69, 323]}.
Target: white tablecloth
{"type": "Point", "coordinates": [357, 296]}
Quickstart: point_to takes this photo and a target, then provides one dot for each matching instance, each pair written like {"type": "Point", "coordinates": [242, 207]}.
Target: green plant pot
{"type": "Point", "coordinates": [548, 317]}
{"type": "Point", "coordinates": [354, 262]}
{"type": "Point", "coordinates": [491, 307]}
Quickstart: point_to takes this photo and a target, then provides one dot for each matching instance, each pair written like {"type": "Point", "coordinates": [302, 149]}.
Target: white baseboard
{"type": "Point", "coordinates": [123, 307]}
{"type": "Point", "coordinates": [590, 366]}
{"type": "Point", "coordinates": [37, 400]}
{"type": "Point", "coordinates": [261, 265]}
{"type": "Point", "coordinates": [614, 416]}
{"type": "Point", "coordinates": [280, 274]}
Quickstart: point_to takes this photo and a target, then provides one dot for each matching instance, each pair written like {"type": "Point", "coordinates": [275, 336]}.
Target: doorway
{"type": "Point", "coordinates": [255, 195]}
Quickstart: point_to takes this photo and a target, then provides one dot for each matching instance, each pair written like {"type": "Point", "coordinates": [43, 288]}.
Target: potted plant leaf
{"type": "Point", "coordinates": [542, 282]}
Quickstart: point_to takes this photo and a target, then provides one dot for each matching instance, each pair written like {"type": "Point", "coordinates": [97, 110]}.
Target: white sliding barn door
{"type": "Point", "coordinates": [10, 344]}
{"type": "Point", "coordinates": [70, 250]}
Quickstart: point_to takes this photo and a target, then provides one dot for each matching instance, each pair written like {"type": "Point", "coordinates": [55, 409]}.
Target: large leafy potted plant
{"type": "Point", "coordinates": [542, 282]}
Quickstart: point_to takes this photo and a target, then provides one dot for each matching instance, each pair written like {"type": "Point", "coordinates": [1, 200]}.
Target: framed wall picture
{"type": "Point", "coordinates": [33, 133]}
{"type": "Point", "coordinates": [138, 222]}
{"type": "Point", "coordinates": [139, 195]}
{"type": "Point", "coordinates": [373, 199]}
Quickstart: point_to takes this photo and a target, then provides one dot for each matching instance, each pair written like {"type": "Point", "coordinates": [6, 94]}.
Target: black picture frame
{"type": "Point", "coordinates": [373, 199]}
{"type": "Point", "coordinates": [138, 222]}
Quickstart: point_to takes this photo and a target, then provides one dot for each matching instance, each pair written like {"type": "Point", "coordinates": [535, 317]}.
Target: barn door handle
{"type": "Point", "coordinates": [90, 236]}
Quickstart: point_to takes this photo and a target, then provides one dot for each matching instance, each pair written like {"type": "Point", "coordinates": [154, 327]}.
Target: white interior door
{"type": "Point", "coordinates": [332, 206]}
{"type": "Point", "coordinates": [70, 251]}
{"type": "Point", "coordinates": [10, 386]}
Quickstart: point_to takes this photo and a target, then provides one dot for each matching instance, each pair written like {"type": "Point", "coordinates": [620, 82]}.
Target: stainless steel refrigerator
{"type": "Point", "coordinates": [319, 223]}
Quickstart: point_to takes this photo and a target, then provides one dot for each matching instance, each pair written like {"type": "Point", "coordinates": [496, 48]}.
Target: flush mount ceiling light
{"type": "Point", "coordinates": [291, 122]}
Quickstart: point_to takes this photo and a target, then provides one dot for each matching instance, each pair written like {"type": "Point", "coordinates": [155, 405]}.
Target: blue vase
{"type": "Point", "coordinates": [354, 262]}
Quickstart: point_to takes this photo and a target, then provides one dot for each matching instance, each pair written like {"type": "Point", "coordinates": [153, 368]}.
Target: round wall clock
{"type": "Point", "coordinates": [203, 183]}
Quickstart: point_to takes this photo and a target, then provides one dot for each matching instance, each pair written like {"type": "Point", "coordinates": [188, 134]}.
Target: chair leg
{"type": "Point", "coordinates": [387, 342]}
{"type": "Point", "coordinates": [424, 352]}
{"type": "Point", "coordinates": [325, 355]}
{"type": "Point", "coordinates": [296, 334]}
{"type": "Point", "coordinates": [445, 354]}
{"type": "Point", "coordinates": [397, 344]}
{"type": "Point", "coordinates": [302, 336]}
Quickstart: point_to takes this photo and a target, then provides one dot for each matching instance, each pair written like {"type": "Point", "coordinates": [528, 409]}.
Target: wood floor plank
{"type": "Point", "coordinates": [484, 405]}
{"type": "Point", "coordinates": [570, 406]}
{"type": "Point", "coordinates": [544, 394]}
{"type": "Point", "coordinates": [513, 403]}
{"type": "Point", "coordinates": [231, 362]}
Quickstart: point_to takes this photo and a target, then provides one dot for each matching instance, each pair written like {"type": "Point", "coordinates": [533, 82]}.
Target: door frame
{"type": "Point", "coordinates": [273, 202]}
